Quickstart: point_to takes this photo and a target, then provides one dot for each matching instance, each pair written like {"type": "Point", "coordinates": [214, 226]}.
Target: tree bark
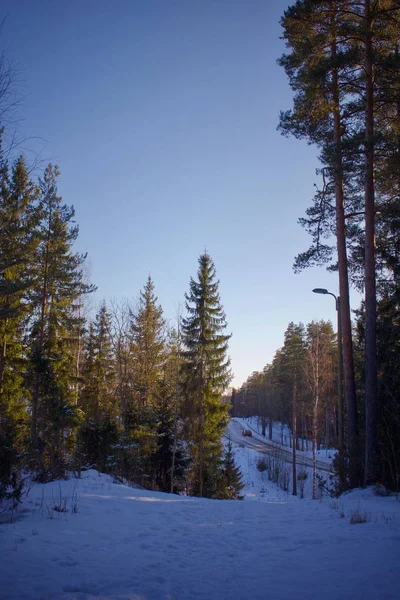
{"type": "Point", "coordinates": [3, 361]}
{"type": "Point", "coordinates": [347, 342]}
{"type": "Point", "coordinates": [314, 444]}
{"type": "Point", "coordinates": [294, 470]}
{"type": "Point", "coordinates": [371, 435]}
{"type": "Point", "coordinates": [36, 390]}
{"type": "Point", "coordinates": [340, 397]}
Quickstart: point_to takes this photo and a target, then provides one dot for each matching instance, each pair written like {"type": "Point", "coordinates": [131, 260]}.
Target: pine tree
{"type": "Point", "coordinates": [54, 327]}
{"type": "Point", "coordinates": [98, 391]}
{"type": "Point", "coordinates": [320, 378]}
{"type": "Point", "coordinates": [98, 398]}
{"type": "Point", "coordinates": [344, 67]}
{"type": "Point", "coordinates": [205, 376]}
{"type": "Point", "coordinates": [124, 363]}
{"type": "Point", "coordinates": [148, 345]}
{"type": "Point", "coordinates": [321, 66]}
{"type": "Point", "coordinates": [230, 481]}
{"type": "Point", "coordinates": [292, 373]}
{"type": "Point", "coordinates": [18, 242]}
{"type": "Point", "coordinates": [169, 462]}
{"type": "Point", "coordinates": [141, 367]}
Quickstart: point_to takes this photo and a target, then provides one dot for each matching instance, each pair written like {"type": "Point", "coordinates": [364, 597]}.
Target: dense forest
{"type": "Point", "coordinates": [122, 392]}
{"type": "Point", "coordinates": [128, 393]}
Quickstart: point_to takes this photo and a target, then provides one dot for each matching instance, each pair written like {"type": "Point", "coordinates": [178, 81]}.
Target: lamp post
{"type": "Point", "coordinates": [340, 382]}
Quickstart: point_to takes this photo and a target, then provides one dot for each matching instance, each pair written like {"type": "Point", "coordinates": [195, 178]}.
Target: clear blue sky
{"type": "Point", "coordinates": [162, 116]}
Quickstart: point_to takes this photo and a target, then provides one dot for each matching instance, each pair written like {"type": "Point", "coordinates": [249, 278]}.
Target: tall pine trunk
{"type": "Point", "coordinates": [314, 435]}
{"type": "Point", "coordinates": [294, 470]}
{"type": "Point", "coordinates": [39, 345]}
{"type": "Point", "coordinates": [201, 441]}
{"type": "Point", "coordinates": [371, 441]}
{"type": "Point", "coordinates": [3, 355]}
{"type": "Point", "coordinates": [39, 351]}
{"type": "Point", "coordinates": [347, 342]}
{"type": "Point", "coordinates": [340, 433]}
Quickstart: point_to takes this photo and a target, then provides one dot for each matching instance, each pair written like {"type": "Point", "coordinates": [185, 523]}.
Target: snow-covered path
{"type": "Point", "coordinates": [128, 544]}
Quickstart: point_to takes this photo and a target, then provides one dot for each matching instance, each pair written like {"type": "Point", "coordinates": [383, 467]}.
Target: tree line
{"type": "Point", "coordinates": [297, 389]}
{"type": "Point", "coordinates": [122, 392]}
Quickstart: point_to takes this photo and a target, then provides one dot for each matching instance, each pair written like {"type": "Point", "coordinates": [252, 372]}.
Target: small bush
{"type": "Point", "coordinates": [386, 518]}
{"type": "Point", "coordinates": [61, 507]}
{"type": "Point", "coordinates": [380, 490]}
{"type": "Point", "coordinates": [301, 478]}
{"type": "Point", "coordinates": [74, 501]}
{"type": "Point", "coordinates": [358, 516]}
{"type": "Point", "coordinates": [262, 464]}
{"type": "Point", "coordinates": [284, 479]}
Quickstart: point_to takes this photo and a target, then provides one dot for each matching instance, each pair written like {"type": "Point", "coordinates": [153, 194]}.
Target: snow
{"type": "Point", "coordinates": [120, 543]}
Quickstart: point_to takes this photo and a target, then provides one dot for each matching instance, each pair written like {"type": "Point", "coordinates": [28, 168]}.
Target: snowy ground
{"type": "Point", "coordinates": [129, 544]}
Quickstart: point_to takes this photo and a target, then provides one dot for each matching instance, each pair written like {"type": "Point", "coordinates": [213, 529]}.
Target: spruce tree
{"type": "Point", "coordinates": [146, 361]}
{"type": "Point", "coordinates": [98, 395]}
{"type": "Point", "coordinates": [54, 328]}
{"type": "Point", "coordinates": [169, 462]}
{"type": "Point", "coordinates": [148, 345]}
{"type": "Point", "coordinates": [230, 481]}
{"type": "Point", "coordinates": [97, 398]}
{"type": "Point", "coordinates": [205, 376]}
{"type": "Point", "coordinates": [18, 243]}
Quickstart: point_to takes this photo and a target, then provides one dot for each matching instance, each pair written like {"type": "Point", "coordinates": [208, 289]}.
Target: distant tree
{"type": "Point", "coordinates": [170, 461]}
{"type": "Point", "coordinates": [319, 376]}
{"type": "Point", "coordinates": [277, 392]}
{"type": "Point", "coordinates": [97, 398]}
{"type": "Point", "coordinates": [148, 345]}
{"type": "Point", "coordinates": [205, 376]}
{"type": "Point", "coordinates": [230, 481]}
{"type": "Point", "coordinates": [292, 378]}
{"type": "Point", "coordinates": [124, 364]}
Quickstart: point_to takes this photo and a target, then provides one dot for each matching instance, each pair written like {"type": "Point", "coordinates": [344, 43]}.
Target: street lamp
{"type": "Point", "coordinates": [324, 291]}
{"type": "Point", "coordinates": [340, 381]}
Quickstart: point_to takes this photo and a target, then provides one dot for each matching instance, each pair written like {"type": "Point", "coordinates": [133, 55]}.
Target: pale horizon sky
{"type": "Point", "coordinates": [162, 117]}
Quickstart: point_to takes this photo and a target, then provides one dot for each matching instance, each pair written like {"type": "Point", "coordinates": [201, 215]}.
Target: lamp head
{"type": "Point", "coordinates": [320, 291]}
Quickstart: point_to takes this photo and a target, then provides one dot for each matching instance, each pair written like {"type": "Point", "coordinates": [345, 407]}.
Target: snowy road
{"type": "Point", "coordinates": [261, 444]}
